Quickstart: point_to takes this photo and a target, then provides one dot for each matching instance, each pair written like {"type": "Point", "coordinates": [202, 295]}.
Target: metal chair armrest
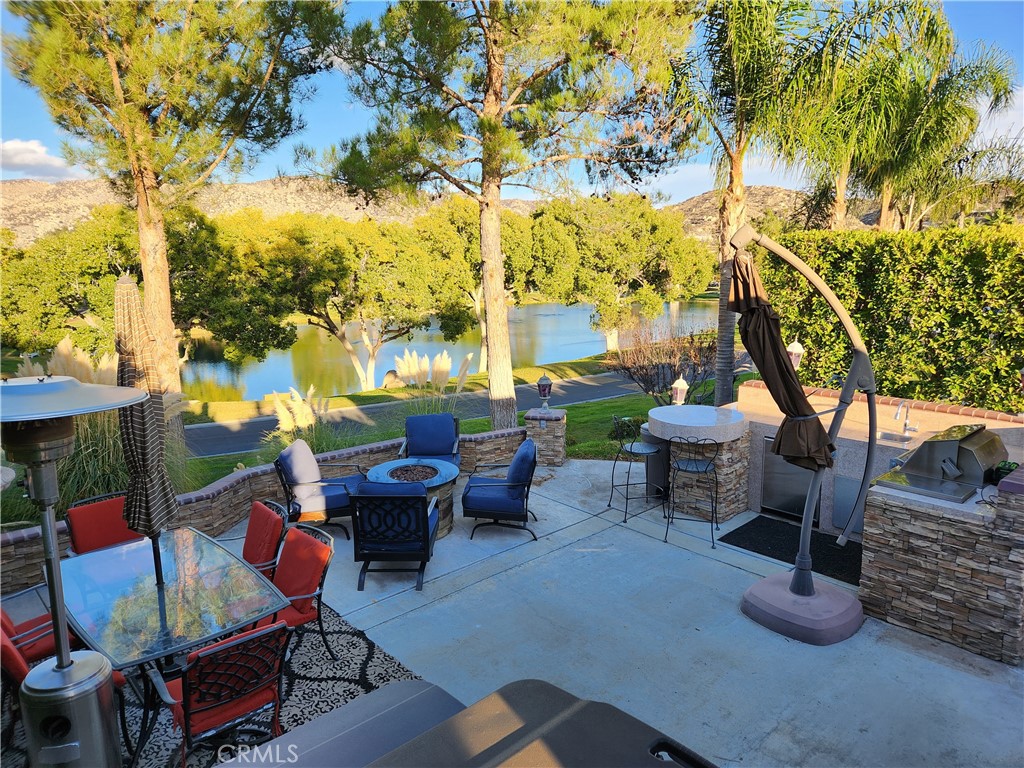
{"type": "Point", "coordinates": [289, 598]}
{"type": "Point", "coordinates": [488, 466]}
{"type": "Point", "coordinates": [431, 505]}
{"type": "Point", "coordinates": [403, 449]}
{"type": "Point", "coordinates": [160, 686]}
{"type": "Point", "coordinates": [32, 635]}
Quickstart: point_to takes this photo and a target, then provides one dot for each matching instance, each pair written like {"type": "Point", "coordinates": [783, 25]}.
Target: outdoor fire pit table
{"type": "Point", "coordinates": [438, 476]}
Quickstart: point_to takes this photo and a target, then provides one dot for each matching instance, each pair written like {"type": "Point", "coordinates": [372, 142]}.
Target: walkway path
{"type": "Point", "coordinates": [238, 436]}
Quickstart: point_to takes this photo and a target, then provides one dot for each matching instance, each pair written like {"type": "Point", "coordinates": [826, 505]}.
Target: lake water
{"type": "Point", "coordinates": [539, 333]}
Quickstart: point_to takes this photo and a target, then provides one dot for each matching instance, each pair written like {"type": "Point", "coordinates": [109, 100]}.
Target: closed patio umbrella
{"type": "Point", "coordinates": [792, 604]}
{"type": "Point", "coordinates": [150, 502]}
{"type": "Point", "coordinates": [801, 440]}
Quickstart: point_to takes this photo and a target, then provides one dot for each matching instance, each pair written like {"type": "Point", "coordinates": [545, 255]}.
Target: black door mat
{"type": "Point", "coordinates": [780, 539]}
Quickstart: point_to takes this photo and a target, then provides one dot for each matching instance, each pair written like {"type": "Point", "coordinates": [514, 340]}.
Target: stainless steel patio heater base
{"type": "Point", "coordinates": [69, 714]}
{"type": "Point", "coordinates": [829, 616]}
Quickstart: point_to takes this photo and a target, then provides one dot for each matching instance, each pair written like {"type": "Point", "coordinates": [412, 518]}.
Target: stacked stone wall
{"type": "Point", "coordinates": [951, 574]}
{"type": "Point", "coordinates": [691, 494]}
{"type": "Point", "coordinates": [547, 428]}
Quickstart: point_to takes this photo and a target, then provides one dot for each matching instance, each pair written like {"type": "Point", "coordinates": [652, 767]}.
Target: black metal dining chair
{"type": "Point", "coordinates": [631, 448]}
{"type": "Point", "coordinates": [694, 458]}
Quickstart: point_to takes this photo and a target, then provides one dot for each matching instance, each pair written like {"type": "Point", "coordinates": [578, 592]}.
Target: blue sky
{"type": "Point", "coordinates": [31, 143]}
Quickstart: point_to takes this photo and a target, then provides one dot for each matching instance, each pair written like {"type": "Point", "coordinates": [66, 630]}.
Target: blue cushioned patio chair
{"type": "Point", "coordinates": [310, 497]}
{"type": "Point", "coordinates": [393, 522]}
{"type": "Point", "coordinates": [433, 436]}
{"type": "Point", "coordinates": [503, 501]}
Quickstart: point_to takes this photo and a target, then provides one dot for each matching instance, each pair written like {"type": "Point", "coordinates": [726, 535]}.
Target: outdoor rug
{"type": "Point", "coordinates": [780, 540]}
{"type": "Point", "coordinates": [313, 684]}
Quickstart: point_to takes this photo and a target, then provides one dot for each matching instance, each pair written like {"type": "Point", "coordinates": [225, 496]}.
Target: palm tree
{"type": "Point", "coordinates": [938, 113]}
{"type": "Point", "coordinates": [734, 84]}
{"type": "Point", "coordinates": [853, 89]}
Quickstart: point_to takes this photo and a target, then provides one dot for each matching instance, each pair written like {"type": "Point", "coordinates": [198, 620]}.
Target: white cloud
{"type": "Point", "coordinates": [30, 159]}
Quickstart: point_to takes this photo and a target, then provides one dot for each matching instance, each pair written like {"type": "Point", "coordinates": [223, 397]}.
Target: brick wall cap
{"type": "Point", "coordinates": [539, 414]}
{"type": "Point", "coordinates": [922, 405]}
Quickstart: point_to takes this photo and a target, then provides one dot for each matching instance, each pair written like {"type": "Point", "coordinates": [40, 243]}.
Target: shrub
{"type": "Point", "coordinates": [939, 310]}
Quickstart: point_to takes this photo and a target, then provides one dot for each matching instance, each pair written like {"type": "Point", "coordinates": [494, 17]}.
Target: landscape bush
{"type": "Point", "coordinates": [939, 310]}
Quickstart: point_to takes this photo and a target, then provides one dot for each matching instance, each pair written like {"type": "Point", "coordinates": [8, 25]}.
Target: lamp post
{"type": "Point", "coordinates": [796, 353]}
{"type": "Point", "coordinates": [544, 390]}
{"type": "Point", "coordinates": [679, 390]}
{"type": "Point", "coordinates": [67, 707]}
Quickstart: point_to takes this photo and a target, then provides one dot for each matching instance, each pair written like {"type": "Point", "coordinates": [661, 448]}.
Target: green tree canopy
{"type": "Point", "coordinates": [158, 94]}
{"type": "Point", "coordinates": [450, 234]}
{"type": "Point", "coordinates": [63, 284]}
{"type": "Point", "coordinates": [472, 96]}
{"type": "Point", "coordinates": [620, 254]}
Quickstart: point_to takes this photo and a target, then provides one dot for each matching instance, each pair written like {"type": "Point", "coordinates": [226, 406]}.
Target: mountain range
{"type": "Point", "coordinates": [33, 209]}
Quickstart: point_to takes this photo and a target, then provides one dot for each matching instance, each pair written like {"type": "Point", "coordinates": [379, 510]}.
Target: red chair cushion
{"type": "Point", "coordinates": [300, 567]}
{"type": "Point", "coordinates": [218, 716]}
{"type": "Point", "coordinates": [11, 660]}
{"type": "Point", "coordinates": [99, 525]}
{"type": "Point", "coordinates": [262, 536]}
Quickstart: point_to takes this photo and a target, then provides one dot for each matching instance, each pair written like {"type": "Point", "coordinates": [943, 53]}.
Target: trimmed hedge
{"type": "Point", "coordinates": [941, 311]}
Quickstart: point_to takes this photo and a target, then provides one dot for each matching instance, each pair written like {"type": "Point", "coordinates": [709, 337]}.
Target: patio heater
{"type": "Point", "coordinates": [67, 705]}
{"type": "Point", "coordinates": [791, 604]}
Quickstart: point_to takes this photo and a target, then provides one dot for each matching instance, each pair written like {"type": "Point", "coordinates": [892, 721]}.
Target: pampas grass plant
{"type": "Point", "coordinates": [431, 380]}
{"type": "Point", "coordinates": [305, 418]}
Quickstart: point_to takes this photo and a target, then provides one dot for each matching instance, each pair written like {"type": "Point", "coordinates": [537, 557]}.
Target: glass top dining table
{"type": "Point", "coordinates": [115, 607]}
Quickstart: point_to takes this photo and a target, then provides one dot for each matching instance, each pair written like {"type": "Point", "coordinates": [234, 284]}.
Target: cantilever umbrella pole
{"type": "Point", "coordinates": [861, 377]}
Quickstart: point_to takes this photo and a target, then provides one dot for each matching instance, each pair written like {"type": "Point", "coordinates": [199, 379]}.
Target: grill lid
{"type": "Point", "coordinates": [950, 465]}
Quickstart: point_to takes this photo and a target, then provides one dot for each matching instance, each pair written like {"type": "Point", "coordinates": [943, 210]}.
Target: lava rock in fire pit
{"type": "Point", "coordinates": [412, 474]}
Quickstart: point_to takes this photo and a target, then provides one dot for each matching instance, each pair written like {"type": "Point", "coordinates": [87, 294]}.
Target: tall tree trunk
{"type": "Point", "coordinates": [838, 218]}
{"type": "Point", "coordinates": [611, 340]}
{"type": "Point", "coordinates": [156, 278]}
{"type": "Point", "coordinates": [731, 217]}
{"type": "Point", "coordinates": [481, 321]}
{"type": "Point", "coordinates": [499, 352]}
{"type": "Point", "coordinates": [885, 205]}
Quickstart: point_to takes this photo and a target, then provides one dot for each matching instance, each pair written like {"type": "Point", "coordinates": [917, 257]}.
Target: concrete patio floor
{"type": "Point", "coordinates": [610, 612]}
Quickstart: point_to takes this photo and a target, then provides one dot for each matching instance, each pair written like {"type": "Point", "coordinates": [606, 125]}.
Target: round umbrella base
{"type": "Point", "coordinates": [829, 616]}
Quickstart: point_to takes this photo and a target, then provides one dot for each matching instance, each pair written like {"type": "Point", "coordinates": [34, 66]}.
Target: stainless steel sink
{"type": "Point", "coordinates": [894, 437]}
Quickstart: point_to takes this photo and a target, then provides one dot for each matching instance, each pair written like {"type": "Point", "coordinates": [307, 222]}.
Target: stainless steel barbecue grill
{"type": "Point", "coordinates": [950, 465]}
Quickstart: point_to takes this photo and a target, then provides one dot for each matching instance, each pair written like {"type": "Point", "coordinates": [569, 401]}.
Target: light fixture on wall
{"type": "Point", "coordinates": [544, 390]}
{"type": "Point", "coordinates": [796, 353]}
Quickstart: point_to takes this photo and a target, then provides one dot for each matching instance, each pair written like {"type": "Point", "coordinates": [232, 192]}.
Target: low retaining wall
{"type": "Point", "coordinates": [221, 505]}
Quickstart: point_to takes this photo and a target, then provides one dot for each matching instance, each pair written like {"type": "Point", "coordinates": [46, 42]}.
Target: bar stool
{"type": "Point", "coordinates": [696, 457]}
{"type": "Point", "coordinates": [632, 447]}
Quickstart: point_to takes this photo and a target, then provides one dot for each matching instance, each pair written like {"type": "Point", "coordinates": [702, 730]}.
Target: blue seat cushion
{"type": "Point", "coordinates": [432, 436]}
{"type": "Point", "coordinates": [329, 495]}
{"type": "Point", "coordinates": [522, 467]}
{"type": "Point", "coordinates": [370, 488]}
{"type": "Point", "coordinates": [491, 497]}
